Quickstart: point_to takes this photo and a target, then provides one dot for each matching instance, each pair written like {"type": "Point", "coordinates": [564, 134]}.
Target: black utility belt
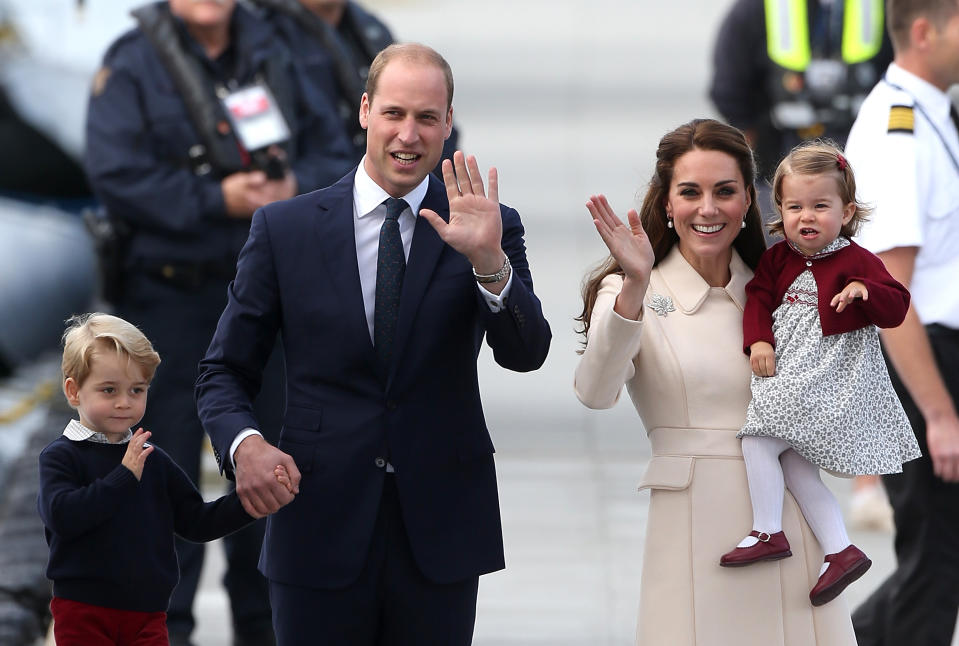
{"type": "Point", "coordinates": [189, 275]}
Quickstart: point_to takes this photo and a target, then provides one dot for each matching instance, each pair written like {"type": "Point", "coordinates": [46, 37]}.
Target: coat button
{"type": "Point", "coordinates": [809, 263]}
{"type": "Point", "coordinates": [391, 404]}
{"type": "Point", "coordinates": [379, 462]}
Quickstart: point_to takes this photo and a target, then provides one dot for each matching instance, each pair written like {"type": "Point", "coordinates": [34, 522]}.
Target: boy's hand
{"type": "Point", "coordinates": [137, 452]}
{"type": "Point", "coordinates": [283, 477]}
{"type": "Point", "coordinates": [852, 291]}
{"type": "Point", "coordinates": [762, 359]}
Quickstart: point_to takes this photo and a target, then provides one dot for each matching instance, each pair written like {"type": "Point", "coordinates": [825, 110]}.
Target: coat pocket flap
{"type": "Point", "coordinates": [673, 472]}
{"type": "Point", "coordinates": [303, 418]}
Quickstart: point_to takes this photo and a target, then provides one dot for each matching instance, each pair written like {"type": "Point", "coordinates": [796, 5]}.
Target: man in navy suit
{"type": "Point", "coordinates": [394, 511]}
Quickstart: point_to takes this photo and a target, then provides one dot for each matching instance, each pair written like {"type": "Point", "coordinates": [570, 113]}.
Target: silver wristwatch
{"type": "Point", "coordinates": [494, 278]}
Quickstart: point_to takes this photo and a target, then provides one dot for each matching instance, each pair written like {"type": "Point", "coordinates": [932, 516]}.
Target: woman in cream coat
{"type": "Point", "coordinates": [663, 315]}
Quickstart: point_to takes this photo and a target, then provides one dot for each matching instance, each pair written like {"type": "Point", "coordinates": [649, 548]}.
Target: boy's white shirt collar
{"type": "Point", "coordinates": [78, 433]}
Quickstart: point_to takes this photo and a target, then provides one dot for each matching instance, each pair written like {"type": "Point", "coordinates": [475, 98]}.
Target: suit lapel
{"type": "Point", "coordinates": [336, 242]}
{"type": "Point", "coordinates": [424, 254]}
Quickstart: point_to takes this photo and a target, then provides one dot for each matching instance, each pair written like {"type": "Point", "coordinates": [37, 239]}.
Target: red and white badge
{"type": "Point", "coordinates": [256, 117]}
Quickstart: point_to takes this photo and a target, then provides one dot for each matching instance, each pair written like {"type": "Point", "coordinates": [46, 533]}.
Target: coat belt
{"type": "Point", "coordinates": [696, 442]}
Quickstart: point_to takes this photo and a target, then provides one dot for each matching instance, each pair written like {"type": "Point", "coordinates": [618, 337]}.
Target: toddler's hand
{"type": "Point", "coordinates": [137, 451]}
{"type": "Point", "coordinates": [851, 292]}
{"type": "Point", "coordinates": [283, 477]}
{"type": "Point", "coordinates": [762, 359]}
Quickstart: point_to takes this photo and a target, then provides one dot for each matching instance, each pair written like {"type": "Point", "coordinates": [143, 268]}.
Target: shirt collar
{"type": "Point", "coordinates": [78, 433]}
{"type": "Point", "coordinates": [933, 100]}
{"type": "Point", "coordinates": [690, 290]}
{"type": "Point", "coordinates": [828, 250]}
{"type": "Point", "coordinates": [367, 194]}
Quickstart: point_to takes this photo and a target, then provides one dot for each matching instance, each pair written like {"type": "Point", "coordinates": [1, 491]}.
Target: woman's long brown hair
{"type": "Point", "coordinates": [698, 134]}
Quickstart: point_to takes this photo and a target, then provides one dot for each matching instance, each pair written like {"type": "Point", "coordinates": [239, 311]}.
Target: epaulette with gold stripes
{"type": "Point", "coordinates": [900, 119]}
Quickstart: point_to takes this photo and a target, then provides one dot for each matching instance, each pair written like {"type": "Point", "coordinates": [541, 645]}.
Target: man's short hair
{"type": "Point", "coordinates": [900, 14]}
{"type": "Point", "coordinates": [88, 334]}
{"type": "Point", "coordinates": [412, 52]}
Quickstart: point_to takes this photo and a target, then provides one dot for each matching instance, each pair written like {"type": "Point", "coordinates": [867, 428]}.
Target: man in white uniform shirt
{"type": "Point", "coordinates": [904, 149]}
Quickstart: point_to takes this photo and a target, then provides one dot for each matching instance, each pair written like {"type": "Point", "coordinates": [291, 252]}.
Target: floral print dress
{"type": "Point", "coordinates": [831, 398]}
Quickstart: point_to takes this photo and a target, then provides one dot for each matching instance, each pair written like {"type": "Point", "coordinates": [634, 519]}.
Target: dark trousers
{"type": "Point", "coordinates": [391, 604]}
{"type": "Point", "coordinates": [918, 603]}
{"type": "Point", "coordinates": [180, 322]}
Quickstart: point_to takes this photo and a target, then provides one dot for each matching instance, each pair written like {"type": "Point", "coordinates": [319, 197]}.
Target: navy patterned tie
{"type": "Point", "coordinates": [390, 266]}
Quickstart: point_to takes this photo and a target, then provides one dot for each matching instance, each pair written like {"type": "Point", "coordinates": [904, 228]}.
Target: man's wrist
{"type": "Point", "coordinates": [487, 261]}
{"type": "Point", "coordinates": [495, 277]}
{"type": "Point", "coordinates": [243, 435]}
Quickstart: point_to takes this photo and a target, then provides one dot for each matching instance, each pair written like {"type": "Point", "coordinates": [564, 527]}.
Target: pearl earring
{"type": "Point", "coordinates": [743, 224]}
{"type": "Point", "coordinates": [669, 222]}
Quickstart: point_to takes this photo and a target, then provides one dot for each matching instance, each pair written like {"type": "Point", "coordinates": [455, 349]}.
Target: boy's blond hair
{"type": "Point", "coordinates": [87, 334]}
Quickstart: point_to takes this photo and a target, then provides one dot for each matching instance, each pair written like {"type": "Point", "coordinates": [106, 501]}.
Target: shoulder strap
{"type": "Point", "coordinates": [344, 71]}
{"type": "Point", "coordinates": [369, 33]}
{"type": "Point", "coordinates": [222, 151]}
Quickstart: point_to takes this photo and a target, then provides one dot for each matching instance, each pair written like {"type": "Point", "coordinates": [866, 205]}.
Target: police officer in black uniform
{"type": "Point", "coordinates": [789, 70]}
{"type": "Point", "coordinates": [335, 41]}
{"type": "Point", "coordinates": [197, 117]}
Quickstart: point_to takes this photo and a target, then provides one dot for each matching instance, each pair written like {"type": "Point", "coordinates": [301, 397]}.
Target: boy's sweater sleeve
{"type": "Point", "coordinates": [71, 508]}
{"type": "Point", "coordinates": [888, 300]}
{"type": "Point", "coordinates": [758, 311]}
{"type": "Point", "coordinates": [198, 521]}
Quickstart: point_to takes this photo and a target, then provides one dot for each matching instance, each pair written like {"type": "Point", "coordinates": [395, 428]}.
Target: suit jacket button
{"type": "Point", "coordinates": [391, 404]}
{"type": "Point", "coordinates": [379, 462]}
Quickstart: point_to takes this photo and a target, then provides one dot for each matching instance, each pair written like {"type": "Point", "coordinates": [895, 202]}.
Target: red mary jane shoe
{"type": "Point", "coordinates": [844, 568]}
{"type": "Point", "coordinates": [771, 547]}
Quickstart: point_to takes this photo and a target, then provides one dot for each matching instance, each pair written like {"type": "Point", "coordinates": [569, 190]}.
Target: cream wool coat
{"type": "Point", "coordinates": [689, 380]}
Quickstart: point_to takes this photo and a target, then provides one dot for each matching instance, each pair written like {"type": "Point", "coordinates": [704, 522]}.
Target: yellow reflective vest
{"type": "Point", "coordinates": [787, 32]}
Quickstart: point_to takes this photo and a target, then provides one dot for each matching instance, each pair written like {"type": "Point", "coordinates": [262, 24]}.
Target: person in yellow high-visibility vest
{"type": "Point", "coordinates": [789, 70]}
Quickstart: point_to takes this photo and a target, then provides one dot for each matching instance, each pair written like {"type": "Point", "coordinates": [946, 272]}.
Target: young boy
{"type": "Point", "coordinates": [109, 513]}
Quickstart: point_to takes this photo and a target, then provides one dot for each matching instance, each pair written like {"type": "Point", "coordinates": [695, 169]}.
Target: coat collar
{"type": "Point", "coordinates": [690, 290]}
{"type": "Point", "coordinates": [335, 242]}
{"type": "Point", "coordinates": [925, 93]}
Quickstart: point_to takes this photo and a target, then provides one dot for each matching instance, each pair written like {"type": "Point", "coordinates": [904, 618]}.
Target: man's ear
{"type": "Point", "coordinates": [365, 111]}
{"type": "Point", "coordinates": [71, 389]}
{"type": "Point", "coordinates": [449, 123]}
{"type": "Point", "coordinates": [920, 31]}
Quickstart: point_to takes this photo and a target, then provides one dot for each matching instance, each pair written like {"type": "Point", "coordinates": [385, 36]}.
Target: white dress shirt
{"type": "Point", "coordinates": [912, 182]}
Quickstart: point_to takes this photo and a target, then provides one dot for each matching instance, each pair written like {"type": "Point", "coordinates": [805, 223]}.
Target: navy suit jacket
{"type": "Point", "coordinates": [297, 275]}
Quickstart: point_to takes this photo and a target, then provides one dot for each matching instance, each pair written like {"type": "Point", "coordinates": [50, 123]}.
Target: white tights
{"type": "Point", "coordinates": [772, 465]}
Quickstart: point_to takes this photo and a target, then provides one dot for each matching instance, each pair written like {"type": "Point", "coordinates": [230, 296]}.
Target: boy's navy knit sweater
{"type": "Point", "coordinates": [110, 536]}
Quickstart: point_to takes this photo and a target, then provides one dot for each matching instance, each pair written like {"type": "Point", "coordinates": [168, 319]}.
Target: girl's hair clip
{"type": "Point", "coordinates": [841, 161]}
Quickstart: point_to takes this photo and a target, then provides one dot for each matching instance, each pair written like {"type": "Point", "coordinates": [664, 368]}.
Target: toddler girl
{"type": "Point", "coordinates": [821, 396]}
